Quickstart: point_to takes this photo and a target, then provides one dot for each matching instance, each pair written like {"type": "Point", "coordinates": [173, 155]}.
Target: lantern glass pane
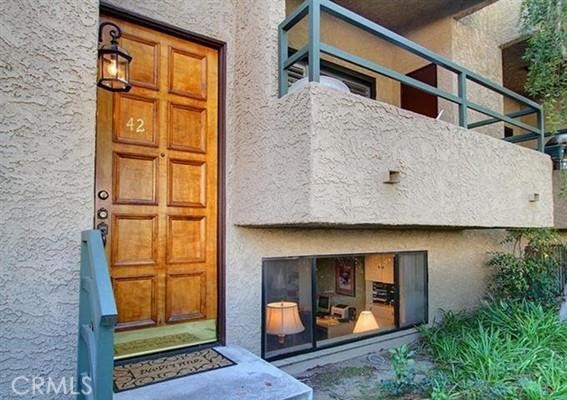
{"type": "Point", "coordinates": [122, 70]}
{"type": "Point", "coordinates": [110, 66]}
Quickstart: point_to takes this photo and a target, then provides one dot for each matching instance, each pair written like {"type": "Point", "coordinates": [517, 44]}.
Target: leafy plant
{"type": "Point", "coordinates": [529, 271]}
{"type": "Point", "coordinates": [546, 23]}
{"type": "Point", "coordinates": [504, 350]}
{"type": "Point", "coordinates": [402, 361]}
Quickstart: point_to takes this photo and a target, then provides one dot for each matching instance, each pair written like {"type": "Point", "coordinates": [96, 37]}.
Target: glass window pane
{"type": "Point", "coordinates": [287, 309]}
{"type": "Point", "coordinates": [355, 297]}
{"type": "Point", "coordinates": [413, 289]}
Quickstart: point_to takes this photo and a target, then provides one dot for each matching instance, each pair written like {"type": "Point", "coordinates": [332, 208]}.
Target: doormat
{"type": "Point", "coordinates": [155, 343]}
{"type": "Point", "coordinates": [148, 371]}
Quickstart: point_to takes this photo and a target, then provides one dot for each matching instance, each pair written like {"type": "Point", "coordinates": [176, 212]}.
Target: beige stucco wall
{"type": "Point", "coordinates": [47, 122]}
{"type": "Point", "coordinates": [436, 36]}
{"type": "Point", "coordinates": [449, 176]}
{"type": "Point", "coordinates": [499, 21]}
{"type": "Point", "coordinates": [47, 142]}
{"type": "Point", "coordinates": [456, 259]}
{"type": "Point", "coordinates": [48, 95]}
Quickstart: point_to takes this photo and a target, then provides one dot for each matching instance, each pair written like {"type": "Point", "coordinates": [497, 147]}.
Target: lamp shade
{"type": "Point", "coordinates": [365, 322]}
{"type": "Point", "coordinates": [282, 318]}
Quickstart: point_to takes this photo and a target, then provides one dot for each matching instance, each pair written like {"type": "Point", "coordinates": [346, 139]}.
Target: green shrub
{"type": "Point", "coordinates": [401, 359]}
{"type": "Point", "coordinates": [529, 272]}
{"type": "Point", "coordinates": [505, 350]}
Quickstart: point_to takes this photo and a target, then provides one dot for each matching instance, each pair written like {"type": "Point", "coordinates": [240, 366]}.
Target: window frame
{"type": "Point", "coordinates": [341, 72]}
{"type": "Point", "coordinates": [313, 265]}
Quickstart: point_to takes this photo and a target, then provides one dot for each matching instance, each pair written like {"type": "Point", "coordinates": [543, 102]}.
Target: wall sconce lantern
{"type": "Point", "coordinates": [113, 61]}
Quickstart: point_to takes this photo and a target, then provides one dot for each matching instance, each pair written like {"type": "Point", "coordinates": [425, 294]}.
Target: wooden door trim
{"type": "Point", "coordinates": [220, 46]}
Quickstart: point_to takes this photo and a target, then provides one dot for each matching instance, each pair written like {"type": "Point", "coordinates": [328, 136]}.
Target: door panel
{"type": "Point", "coordinates": [417, 100]}
{"type": "Point", "coordinates": [157, 158]}
{"type": "Point", "coordinates": [412, 286]}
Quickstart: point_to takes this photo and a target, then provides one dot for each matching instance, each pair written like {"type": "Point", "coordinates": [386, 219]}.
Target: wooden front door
{"type": "Point", "coordinates": [156, 180]}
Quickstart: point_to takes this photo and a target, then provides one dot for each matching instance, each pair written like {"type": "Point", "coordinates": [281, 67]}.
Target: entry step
{"type": "Point", "coordinates": [251, 378]}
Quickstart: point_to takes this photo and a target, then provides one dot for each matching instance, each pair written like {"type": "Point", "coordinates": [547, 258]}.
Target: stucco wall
{"type": "Point", "coordinates": [47, 142]}
{"type": "Point", "coordinates": [499, 21]}
{"type": "Point", "coordinates": [449, 176]}
{"type": "Point", "coordinates": [436, 36]}
{"type": "Point", "coordinates": [457, 271]}
{"type": "Point", "coordinates": [48, 65]}
{"type": "Point", "coordinates": [47, 122]}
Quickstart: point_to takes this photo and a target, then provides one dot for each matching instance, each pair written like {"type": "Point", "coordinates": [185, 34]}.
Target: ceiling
{"type": "Point", "coordinates": [404, 15]}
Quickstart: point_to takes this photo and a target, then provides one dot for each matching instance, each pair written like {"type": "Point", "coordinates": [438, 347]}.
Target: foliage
{"type": "Point", "coordinates": [546, 23]}
{"type": "Point", "coordinates": [401, 359]}
{"type": "Point", "coordinates": [505, 350]}
{"type": "Point", "coordinates": [529, 271]}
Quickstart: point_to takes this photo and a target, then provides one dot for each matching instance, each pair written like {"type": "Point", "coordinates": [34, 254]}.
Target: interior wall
{"type": "Point", "coordinates": [326, 283]}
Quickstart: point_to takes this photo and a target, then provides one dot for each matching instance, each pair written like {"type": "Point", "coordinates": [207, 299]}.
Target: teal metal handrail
{"type": "Point", "coordinates": [312, 52]}
{"type": "Point", "coordinates": [97, 319]}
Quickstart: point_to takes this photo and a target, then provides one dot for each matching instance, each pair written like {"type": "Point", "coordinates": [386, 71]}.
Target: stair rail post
{"type": "Point", "coordinates": [97, 319]}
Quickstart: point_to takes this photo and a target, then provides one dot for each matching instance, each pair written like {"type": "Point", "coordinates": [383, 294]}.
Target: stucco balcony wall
{"type": "Point", "coordinates": [326, 158]}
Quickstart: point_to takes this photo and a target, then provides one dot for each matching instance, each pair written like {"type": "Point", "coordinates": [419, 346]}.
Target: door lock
{"type": "Point", "coordinates": [102, 213]}
{"type": "Point", "coordinates": [103, 228]}
{"type": "Point", "coordinates": [103, 195]}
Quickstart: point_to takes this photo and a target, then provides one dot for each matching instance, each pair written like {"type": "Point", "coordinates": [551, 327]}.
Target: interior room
{"type": "Point", "coordinates": [314, 302]}
{"type": "Point", "coordinates": [349, 286]}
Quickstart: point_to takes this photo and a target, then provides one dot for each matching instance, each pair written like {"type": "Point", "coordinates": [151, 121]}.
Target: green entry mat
{"type": "Point", "coordinates": [159, 368]}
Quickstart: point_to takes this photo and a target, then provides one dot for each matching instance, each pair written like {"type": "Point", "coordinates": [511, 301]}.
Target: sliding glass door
{"type": "Point", "coordinates": [288, 306]}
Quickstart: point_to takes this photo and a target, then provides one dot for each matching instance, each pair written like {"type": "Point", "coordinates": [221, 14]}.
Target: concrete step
{"type": "Point", "coordinates": [250, 379]}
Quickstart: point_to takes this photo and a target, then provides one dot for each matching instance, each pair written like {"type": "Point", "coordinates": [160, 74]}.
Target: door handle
{"type": "Point", "coordinates": [103, 228]}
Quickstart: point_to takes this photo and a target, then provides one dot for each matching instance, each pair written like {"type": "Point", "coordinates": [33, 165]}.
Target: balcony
{"type": "Point", "coordinates": [337, 159]}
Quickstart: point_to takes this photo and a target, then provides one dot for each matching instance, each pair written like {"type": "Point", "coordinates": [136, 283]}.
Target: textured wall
{"type": "Point", "coordinates": [499, 21]}
{"type": "Point", "coordinates": [47, 122]}
{"type": "Point", "coordinates": [450, 176]}
{"type": "Point", "coordinates": [475, 50]}
{"type": "Point", "coordinates": [47, 127]}
{"type": "Point", "coordinates": [47, 114]}
{"type": "Point", "coordinates": [457, 271]}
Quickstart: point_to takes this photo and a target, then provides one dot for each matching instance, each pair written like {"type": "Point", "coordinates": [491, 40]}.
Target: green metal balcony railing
{"type": "Point", "coordinates": [312, 52]}
{"type": "Point", "coordinates": [97, 318]}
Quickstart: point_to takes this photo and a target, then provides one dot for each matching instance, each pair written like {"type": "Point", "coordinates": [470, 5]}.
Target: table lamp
{"type": "Point", "coordinates": [282, 318]}
{"type": "Point", "coordinates": [365, 322]}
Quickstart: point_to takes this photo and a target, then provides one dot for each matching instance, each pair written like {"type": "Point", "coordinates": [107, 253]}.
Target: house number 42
{"type": "Point", "coordinates": [135, 124]}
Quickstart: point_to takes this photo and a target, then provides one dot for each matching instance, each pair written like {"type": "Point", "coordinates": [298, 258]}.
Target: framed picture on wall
{"type": "Point", "coordinates": [345, 276]}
